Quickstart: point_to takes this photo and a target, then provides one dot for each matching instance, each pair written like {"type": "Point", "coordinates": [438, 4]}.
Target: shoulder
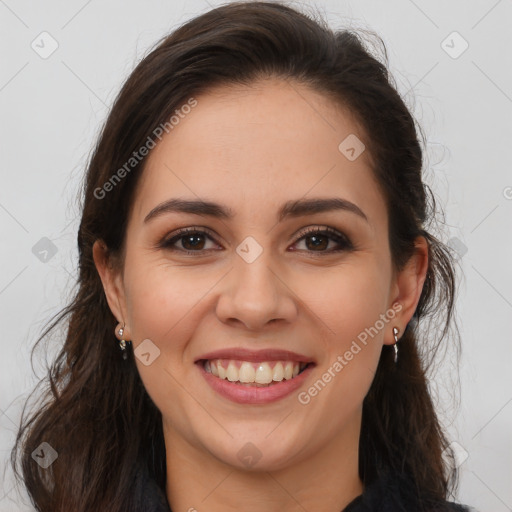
{"type": "Point", "coordinates": [394, 493]}
{"type": "Point", "coordinates": [148, 494]}
{"type": "Point", "coordinates": [450, 506]}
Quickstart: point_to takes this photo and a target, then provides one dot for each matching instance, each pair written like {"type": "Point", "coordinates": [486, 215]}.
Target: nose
{"type": "Point", "coordinates": [254, 295]}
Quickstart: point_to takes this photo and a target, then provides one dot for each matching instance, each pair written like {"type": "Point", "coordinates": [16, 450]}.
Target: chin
{"type": "Point", "coordinates": [257, 453]}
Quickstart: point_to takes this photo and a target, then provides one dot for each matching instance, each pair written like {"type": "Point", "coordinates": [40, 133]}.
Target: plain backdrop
{"type": "Point", "coordinates": [62, 63]}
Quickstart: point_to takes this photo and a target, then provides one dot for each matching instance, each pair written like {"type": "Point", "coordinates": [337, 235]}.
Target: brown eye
{"type": "Point", "coordinates": [188, 240]}
{"type": "Point", "coordinates": [317, 240]}
{"type": "Point", "coordinates": [192, 241]}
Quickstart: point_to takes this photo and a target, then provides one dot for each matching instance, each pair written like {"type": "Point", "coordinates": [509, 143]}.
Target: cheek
{"type": "Point", "coordinates": [347, 299]}
{"type": "Point", "coordinates": [350, 302]}
{"type": "Point", "coordinates": [164, 301]}
{"type": "Point", "coordinates": [161, 305]}
{"type": "Point", "coordinates": [159, 297]}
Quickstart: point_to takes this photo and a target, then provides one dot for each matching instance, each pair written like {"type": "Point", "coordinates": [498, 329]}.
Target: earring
{"type": "Point", "coordinates": [395, 334]}
{"type": "Point", "coordinates": [122, 342]}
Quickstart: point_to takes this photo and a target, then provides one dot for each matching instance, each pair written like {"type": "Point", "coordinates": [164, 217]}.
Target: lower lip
{"type": "Point", "coordinates": [254, 395]}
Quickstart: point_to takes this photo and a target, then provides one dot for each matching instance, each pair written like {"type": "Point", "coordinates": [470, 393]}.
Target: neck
{"type": "Point", "coordinates": [326, 481]}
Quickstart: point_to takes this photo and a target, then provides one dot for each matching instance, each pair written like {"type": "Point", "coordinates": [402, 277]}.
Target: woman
{"type": "Point", "coordinates": [254, 236]}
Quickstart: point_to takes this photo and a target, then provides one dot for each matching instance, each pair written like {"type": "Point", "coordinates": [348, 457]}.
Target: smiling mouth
{"type": "Point", "coordinates": [254, 374]}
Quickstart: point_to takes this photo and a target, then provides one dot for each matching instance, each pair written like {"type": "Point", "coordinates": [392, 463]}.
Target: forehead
{"type": "Point", "coordinates": [253, 148]}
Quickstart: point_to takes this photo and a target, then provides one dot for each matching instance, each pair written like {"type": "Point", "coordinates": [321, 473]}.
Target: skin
{"type": "Point", "coordinates": [252, 149]}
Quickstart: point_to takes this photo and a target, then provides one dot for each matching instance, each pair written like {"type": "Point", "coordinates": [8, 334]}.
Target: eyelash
{"type": "Point", "coordinates": [331, 233]}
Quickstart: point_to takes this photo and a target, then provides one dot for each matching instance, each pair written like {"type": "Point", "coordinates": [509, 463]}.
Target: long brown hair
{"type": "Point", "coordinates": [95, 412]}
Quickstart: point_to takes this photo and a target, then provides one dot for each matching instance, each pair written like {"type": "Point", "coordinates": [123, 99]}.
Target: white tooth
{"type": "Point", "coordinates": [232, 372]}
{"type": "Point", "coordinates": [246, 372]}
{"type": "Point", "coordinates": [288, 370]}
{"type": "Point", "coordinates": [278, 374]}
{"type": "Point", "coordinates": [221, 370]}
{"type": "Point", "coordinates": [263, 374]}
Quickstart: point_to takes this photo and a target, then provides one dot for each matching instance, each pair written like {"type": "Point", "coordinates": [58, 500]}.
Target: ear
{"type": "Point", "coordinates": [408, 287]}
{"type": "Point", "coordinates": [111, 277]}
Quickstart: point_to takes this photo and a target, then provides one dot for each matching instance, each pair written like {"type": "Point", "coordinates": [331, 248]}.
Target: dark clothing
{"type": "Point", "coordinates": [384, 495]}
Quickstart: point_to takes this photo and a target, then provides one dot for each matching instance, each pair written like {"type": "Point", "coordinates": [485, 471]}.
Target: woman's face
{"type": "Point", "coordinates": [253, 284]}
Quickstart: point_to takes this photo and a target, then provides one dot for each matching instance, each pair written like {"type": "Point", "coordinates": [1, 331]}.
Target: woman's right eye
{"type": "Point", "coordinates": [191, 239]}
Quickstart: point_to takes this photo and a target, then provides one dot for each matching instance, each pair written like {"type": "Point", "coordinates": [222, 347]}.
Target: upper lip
{"type": "Point", "coordinates": [243, 354]}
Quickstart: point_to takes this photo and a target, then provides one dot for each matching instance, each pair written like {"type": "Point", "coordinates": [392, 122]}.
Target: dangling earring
{"type": "Point", "coordinates": [122, 342]}
{"type": "Point", "coordinates": [395, 334]}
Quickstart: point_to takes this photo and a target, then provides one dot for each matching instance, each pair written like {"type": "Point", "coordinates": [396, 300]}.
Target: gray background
{"type": "Point", "coordinates": [53, 107]}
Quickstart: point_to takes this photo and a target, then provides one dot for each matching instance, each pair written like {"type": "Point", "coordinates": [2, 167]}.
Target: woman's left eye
{"type": "Point", "coordinates": [318, 236]}
{"type": "Point", "coordinates": [193, 240]}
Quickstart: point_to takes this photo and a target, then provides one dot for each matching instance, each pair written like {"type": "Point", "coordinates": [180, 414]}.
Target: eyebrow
{"type": "Point", "coordinates": [298, 208]}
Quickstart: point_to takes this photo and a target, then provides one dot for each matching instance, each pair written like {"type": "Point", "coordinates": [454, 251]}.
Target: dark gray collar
{"type": "Point", "coordinates": [386, 494]}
